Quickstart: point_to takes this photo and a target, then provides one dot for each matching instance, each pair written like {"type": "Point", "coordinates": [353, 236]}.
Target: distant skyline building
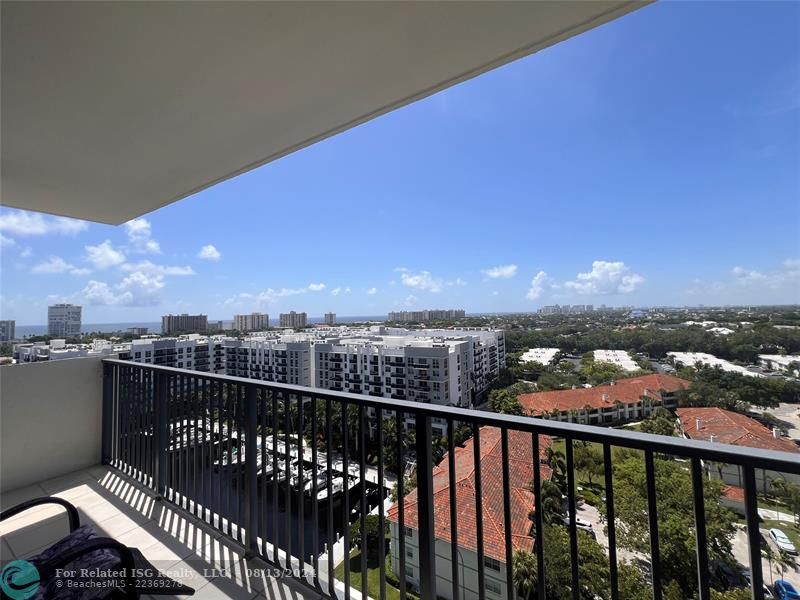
{"type": "Point", "coordinates": [7, 330]}
{"type": "Point", "coordinates": [252, 322]}
{"type": "Point", "coordinates": [183, 323]}
{"type": "Point", "coordinates": [566, 309]}
{"type": "Point", "coordinates": [330, 319]}
{"type": "Point", "coordinates": [294, 320]}
{"type": "Point", "coordinates": [64, 320]}
{"type": "Point", "coordinates": [414, 316]}
{"type": "Point", "coordinates": [138, 330]}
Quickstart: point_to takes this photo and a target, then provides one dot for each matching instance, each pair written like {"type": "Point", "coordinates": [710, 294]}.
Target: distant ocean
{"type": "Point", "coordinates": [23, 331]}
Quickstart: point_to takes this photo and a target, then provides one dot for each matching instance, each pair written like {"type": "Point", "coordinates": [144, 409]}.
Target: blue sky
{"type": "Point", "coordinates": [655, 160]}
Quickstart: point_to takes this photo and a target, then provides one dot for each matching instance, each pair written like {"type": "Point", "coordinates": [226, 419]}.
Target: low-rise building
{"type": "Point", "coordinates": [622, 401]}
{"type": "Point", "coordinates": [712, 424]}
{"type": "Point", "coordinates": [521, 473]}
{"type": "Point", "coordinates": [690, 359]}
{"type": "Point", "coordinates": [423, 316]}
{"type": "Point", "coordinates": [779, 362]}
{"type": "Point", "coordinates": [618, 358]}
{"type": "Point", "coordinates": [58, 349]}
{"type": "Point", "coordinates": [543, 356]}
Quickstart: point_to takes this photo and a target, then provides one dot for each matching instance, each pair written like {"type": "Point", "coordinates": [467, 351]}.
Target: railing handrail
{"type": "Point", "coordinates": [757, 458]}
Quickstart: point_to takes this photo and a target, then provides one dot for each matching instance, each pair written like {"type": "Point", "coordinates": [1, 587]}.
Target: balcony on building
{"type": "Point", "coordinates": [113, 110]}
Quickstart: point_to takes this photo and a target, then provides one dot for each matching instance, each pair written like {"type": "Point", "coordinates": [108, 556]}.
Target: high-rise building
{"type": "Point", "coordinates": [252, 322]}
{"type": "Point", "coordinates": [138, 330]}
{"type": "Point", "coordinates": [63, 320]}
{"type": "Point", "coordinates": [415, 316]}
{"type": "Point", "coordinates": [183, 323]}
{"type": "Point", "coordinates": [330, 319]}
{"type": "Point", "coordinates": [7, 330]}
{"type": "Point", "coordinates": [294, 320]}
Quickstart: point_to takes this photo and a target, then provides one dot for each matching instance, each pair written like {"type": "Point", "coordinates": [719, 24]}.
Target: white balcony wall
{"type": "Point", "coordinates": [50, 419]}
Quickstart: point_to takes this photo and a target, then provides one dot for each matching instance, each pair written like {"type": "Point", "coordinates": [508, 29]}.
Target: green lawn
{"type": "Point", "coordinates": [373, 575]}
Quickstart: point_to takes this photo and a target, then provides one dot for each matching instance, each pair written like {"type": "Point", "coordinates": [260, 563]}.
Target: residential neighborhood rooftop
{"type": "Point", "coordinates": [728, 427]}
{"type": "Point", "coordinates": [520, 448]}
{"type": "Point", "coordinates": [626, 391]}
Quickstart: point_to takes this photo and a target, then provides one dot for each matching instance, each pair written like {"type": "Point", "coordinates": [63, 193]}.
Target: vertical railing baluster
{"type": "Point", "coordinates": [346, 501]}
{"type": "Point", "coordinates": [381, 510]}
{"type": "Point", "coordinates": [652, 517]}
{"type": "Point", "coordinates": [262, 487]}
{"type": "Point", "coordinates": [573, 525]}
{"type": "Point", "coordinates": [301, 525]}
{"type": "Point", "coordinates": [329, 470]}
{"type": "Point", "coordinates": [160, 434]}
{"type": "Point", "coordinates": [241, 458]}
{"type": "Point", "coordinates": [611, 524]}
{"type": "Point", "coordinates": [362, 473]}
{"type": "Point", "coordinates": [401, 504]}
{"type": "Point", "coordinates": [510, 588]}
{"type": "Point", "coordinates": [287, 409]}
{"type": "Point", "coordinates": [701, 542]}
{"type": "Point", "coordinates": [753, 533]}
{"type": "Point", "coordinates": [251, 466]}
{"type": "Point", "coordinates": [228, 469]}
{"type": "Point", "coordinates": [315, 490]}
{"type": "Point", "coordinates": [476, 457]}
{"type": "Point", "coordinates": [451, 474]}
{"type": "Point", "coordinates": [425, 518]}
{"type": "Point", "coordinates": [195, 448]}
{"type": "Point", "coordinates": [538, 517]}
{"type": "Point", "coordinates": [275, 468]}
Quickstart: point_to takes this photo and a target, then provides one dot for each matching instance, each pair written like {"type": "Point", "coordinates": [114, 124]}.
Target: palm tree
{"type": "Point", "coordinates": [784, 562]}
{"type": "Point", "coordinates": [524, 566]}
{"type": "Point", "coordinates": [769, 554]}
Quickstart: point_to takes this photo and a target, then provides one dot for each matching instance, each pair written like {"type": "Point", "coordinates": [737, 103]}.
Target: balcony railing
{"type": "Point", "coordinates": [284, 471]}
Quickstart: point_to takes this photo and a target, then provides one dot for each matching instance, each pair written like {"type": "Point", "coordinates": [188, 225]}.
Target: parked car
{"type": "Point", "coordinates": [785, 590]}
{"type": "Point", "coordinates": [782, 541]}
{"type": "Point", "coordinates": [768, 595]}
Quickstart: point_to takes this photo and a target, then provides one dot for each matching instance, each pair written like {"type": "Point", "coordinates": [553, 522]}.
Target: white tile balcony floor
{"type": "Point", "coordinates": [175, 542]}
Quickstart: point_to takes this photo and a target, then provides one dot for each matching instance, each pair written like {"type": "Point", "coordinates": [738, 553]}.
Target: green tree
{"type": "Point", "coordinates": [589, 461]}
{"type": "Point", "coordinates": [505, 402]}
{"type": "Point", "coordinates": [675, 516]}
{"type": "Point", "coordinates": [373, 535]}
{"type": "Point", "coordinates": [524, 564]}
{"type": "Point", "coordinates": [660, 422]}
{"type": "Point", "coordinates": [790, 493]}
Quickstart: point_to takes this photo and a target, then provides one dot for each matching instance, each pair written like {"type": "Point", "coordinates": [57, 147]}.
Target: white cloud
{"type": "Point", "coordinates": [26, 252]}
{"type": "Point", "coordinates": [137, 289]}
{"type": "Point", "coordinates": [347, 290]}
{"type": "Point", "coordinates": [209, 252]}
{"type": "Point", "coordinates": [746, 276]}
{"type": "Point", "coordinates": [104, 255]}
{"type": "Point", "coordinates": [152, 269]}
{"type": "Point", "coordinates": [539, 284]}
{"type": "Point", "coordinates": [336, 291]}
{"type": "Point", "coordinates": [501, 272]}
{"type": "Point", "coordinates": [270, 295]}
{"type": "Point", "coordinates": [55, 265]}
{"type": "Point", "coordinates": [410, 300]}
{"type": "Point", "coordinates": [22, 222]}
{"type": "Point", "coordinates": [316, 287]}
{"type": "Point", "coordinates": [606, 278]}
{"type": "Point", "coordinates": [457, 282]}
{"type": "Point", "coordinates": [372, 291]}
{"type": "Point", "coordinates": [421, 281]}
{"type": "Point", "coordinates": [5, 241]}
{"type": "Point", "coordinates": [139, 234]}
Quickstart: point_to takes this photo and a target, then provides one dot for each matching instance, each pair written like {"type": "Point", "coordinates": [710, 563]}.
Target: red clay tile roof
{"type": "Point", "coordinates": [731, 428]}
{"type": "Point", "coordinates": [627, 391]}
{"type": "Point", "coordinates": [733, 493]}
{"type": "Point", "coordinates": [520, 450]}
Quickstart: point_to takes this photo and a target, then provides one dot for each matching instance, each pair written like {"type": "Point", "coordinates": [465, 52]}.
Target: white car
{"type": "Point", "coordinates": [581, 524]}
{"type": "Point", "coordinates": [783, 543]}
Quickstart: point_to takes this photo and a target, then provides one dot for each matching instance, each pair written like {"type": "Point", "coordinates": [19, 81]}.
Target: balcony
{"type": "Point", "coordinates": [160, 458]}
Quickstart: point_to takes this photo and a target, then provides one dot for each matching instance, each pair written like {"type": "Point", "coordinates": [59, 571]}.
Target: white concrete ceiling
{"type": "Point", "coordinates": [111, 110]}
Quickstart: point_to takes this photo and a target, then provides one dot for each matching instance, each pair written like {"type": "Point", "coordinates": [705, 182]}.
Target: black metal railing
{"type": "Point", "coordinates": [287, 471]}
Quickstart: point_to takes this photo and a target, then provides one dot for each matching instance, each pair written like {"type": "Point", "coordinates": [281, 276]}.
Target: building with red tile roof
{"type": "Point", "coordinates": [520, 450]}
{"type": "Point", "coordinates": [728, 427]}
{"type": "Point", "coordinates": [619, 401]}
{"type": "Point", "coordinates": [712, 424]}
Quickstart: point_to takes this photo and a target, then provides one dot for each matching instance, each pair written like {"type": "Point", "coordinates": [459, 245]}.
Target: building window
{"type": "Point", "coordinates": [491, 563]}
{"type": "Point", "coordinates": [409, 532]}
{"type": "Point", "coordinates": [492, 587]}
{"type": "Point", "coordinates": [409, 554]}
{"type": "Point", "coordinates": [409, 572]}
